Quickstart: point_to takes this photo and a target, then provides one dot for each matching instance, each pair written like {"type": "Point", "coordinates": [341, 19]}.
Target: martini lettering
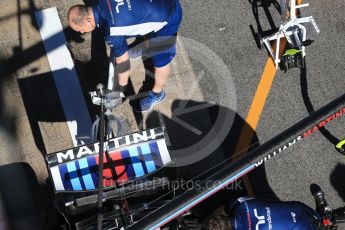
{"type": "Point", "coordinates": [115, 143]}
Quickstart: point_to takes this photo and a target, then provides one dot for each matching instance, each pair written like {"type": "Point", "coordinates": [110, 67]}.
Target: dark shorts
{"type": "Point", "coordinates": [162, 44]}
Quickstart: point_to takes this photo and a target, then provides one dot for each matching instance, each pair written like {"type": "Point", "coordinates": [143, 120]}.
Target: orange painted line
{"type": "Point", "coordinates": [258, 102]}
{"type": "Point", "coordinates": [256, 108]}
{"type": "Point", "coordinates": [255, 111]}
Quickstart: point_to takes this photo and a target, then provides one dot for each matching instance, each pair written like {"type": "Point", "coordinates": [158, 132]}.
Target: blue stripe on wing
{"type": "Point", "coordinates": [146, 151]}
{"type": "Point", "coordinates": [86, 175]}
{"type": "Point", "coordinates": [72, 171]}
{"type": "Point", "coordinates": [127, 163]}
{"type": "Point", "coordinates": [65, 177]}
{"type": "Point", "coordinates": [138, 168]}
{"type": "Point", "coordinates": [156, 156]}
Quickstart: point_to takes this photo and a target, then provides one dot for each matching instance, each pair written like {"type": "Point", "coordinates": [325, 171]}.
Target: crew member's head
{"type": "Point", "coordinates": [218, 222]}
{"type": "Point", "coordinates": [81, 19]}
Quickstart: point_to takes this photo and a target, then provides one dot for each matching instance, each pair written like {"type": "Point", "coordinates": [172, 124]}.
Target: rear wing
{"type": "Point", "coordinates": [134, 156]}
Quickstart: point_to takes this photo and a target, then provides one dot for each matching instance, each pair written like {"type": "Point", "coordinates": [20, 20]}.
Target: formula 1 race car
{"type": "Point", "coordinates": [131, 169]}
{"type": "Point", "coordinates": [118, 192]}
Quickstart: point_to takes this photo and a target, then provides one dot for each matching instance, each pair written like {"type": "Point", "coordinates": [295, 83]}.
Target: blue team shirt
{"type": "Point", "coordinates": [255, 214]}
{"type": "Point", "coordinates": [120, 19]}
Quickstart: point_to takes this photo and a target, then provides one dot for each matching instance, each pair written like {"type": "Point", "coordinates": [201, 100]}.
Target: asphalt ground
{"type": "Point", "coordinates": [225, 28]}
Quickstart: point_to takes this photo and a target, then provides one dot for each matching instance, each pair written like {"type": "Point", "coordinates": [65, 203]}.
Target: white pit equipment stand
{"type": "Point", "coordinates": [293, 30]}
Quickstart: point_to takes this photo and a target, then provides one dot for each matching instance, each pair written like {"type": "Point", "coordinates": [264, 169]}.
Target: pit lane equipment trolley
{"type": "Point", "coordinates": [293, 30]}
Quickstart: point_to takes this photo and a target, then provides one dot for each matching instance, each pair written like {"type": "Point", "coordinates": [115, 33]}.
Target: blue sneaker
{"type": "Point", "coordinates": [146, 103]}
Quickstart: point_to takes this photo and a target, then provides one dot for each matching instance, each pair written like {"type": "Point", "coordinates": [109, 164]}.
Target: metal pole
{"type": "Point", "coordinates": [253, 159]}
{"type": "Point", "coordinates": [100, 88]}
{"type": "Point", "coordinates": [293, 9]}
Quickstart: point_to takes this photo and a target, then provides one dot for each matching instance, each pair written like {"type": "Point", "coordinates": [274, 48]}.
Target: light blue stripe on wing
{"type": "Point", "coordinates": [138, 168]}
{"type": "Point", "coordinates": [84, 167]}
{"type": "Point", "coordinates": [73, 174]}
{"type": "Point", "coordinates": [150, 165]}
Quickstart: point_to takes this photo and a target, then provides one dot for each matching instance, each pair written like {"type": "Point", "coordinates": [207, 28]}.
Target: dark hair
{"type": "Point", "coordinates": [219, 222]}
{"type": "Point", "coordinates": [79, 18]}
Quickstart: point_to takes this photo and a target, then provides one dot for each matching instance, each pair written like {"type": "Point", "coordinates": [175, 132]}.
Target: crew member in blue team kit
{"type": "Point", "coordinates": [256, 214]}
{"type": "Point", "coordinates": [118, 20]}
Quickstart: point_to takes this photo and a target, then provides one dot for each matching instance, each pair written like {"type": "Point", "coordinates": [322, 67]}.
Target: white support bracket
{"type": "Point", "coordinates": [293, 30]}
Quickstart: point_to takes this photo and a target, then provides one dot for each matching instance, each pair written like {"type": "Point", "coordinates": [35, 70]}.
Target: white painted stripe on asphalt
{"type": "Point", "coordinates": [57, 178]}
{"type": "Point", "coordinates": [65, 76]}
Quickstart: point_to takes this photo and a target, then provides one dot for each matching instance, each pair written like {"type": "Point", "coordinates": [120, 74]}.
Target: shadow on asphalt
{"type": "Point", "coordinates": [41, 103]}
{"type": "Point", "coordinates": [147, 85]}
{"type": "Point", "coordinates": [19, 188]}
{"type": "Point", "coordinates": [25, 201]}
{"type": "Point", "coordinates": [39, 91]}
{"type": "Point", "coordinates": [8, 66]}
{"type": "Point", "coordinates": [42, 84]}
{"type": "Point", "coordinates": [182, 137]}
{"type": "Point", "coordinates": [264, 4]}
{"type": "Point", "coordinates": [337, 180]}
{"type": "Point", "coordinates": [93, 71]}
{"type": "Point", "coordinates": [309, 106]}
